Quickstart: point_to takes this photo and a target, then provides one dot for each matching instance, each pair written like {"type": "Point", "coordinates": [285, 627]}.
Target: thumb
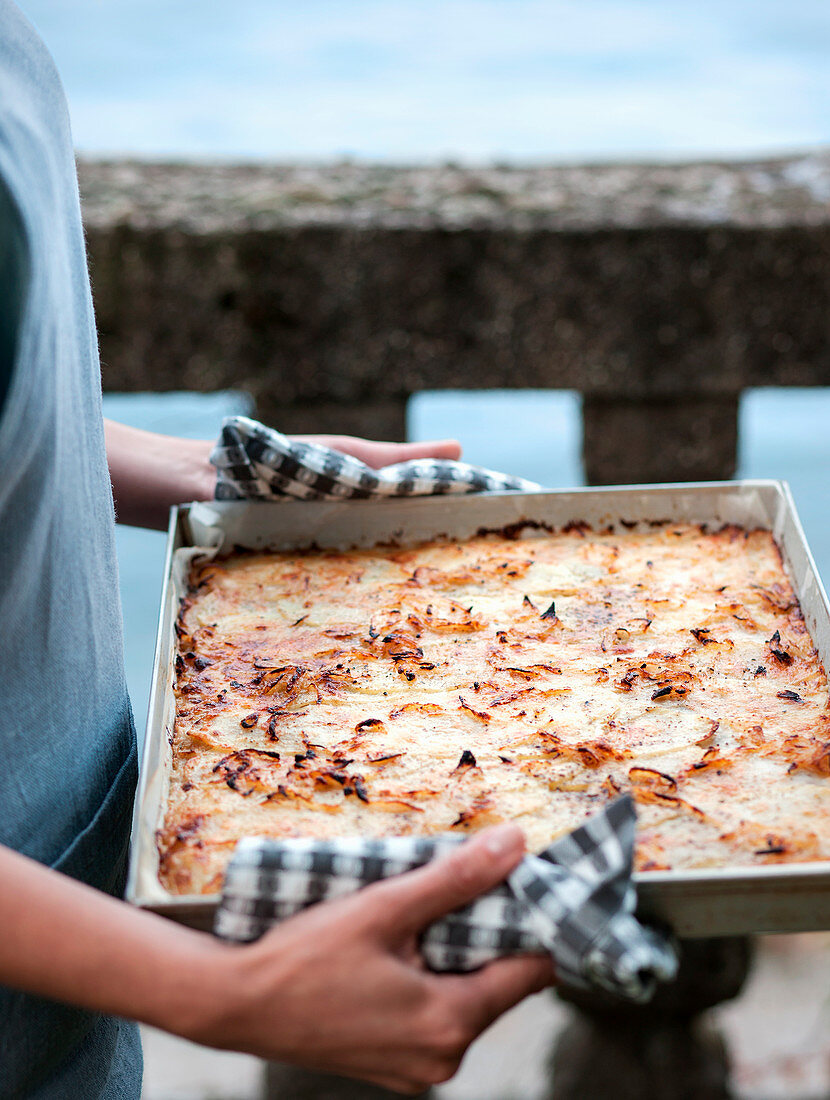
{"type": "Point", "coordinates": [412, 901]}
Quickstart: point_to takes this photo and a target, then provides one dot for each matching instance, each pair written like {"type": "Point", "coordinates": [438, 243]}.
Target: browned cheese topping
{"type": "Point", "coordinates": [527, 679]}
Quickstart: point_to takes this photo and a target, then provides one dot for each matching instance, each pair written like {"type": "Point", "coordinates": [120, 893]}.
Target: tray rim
{"type": "Point", "coordinates": [652, 886]}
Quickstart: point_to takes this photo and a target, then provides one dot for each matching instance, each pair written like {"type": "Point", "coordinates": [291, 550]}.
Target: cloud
{"type": "Point", "coordinates": [473, 79]}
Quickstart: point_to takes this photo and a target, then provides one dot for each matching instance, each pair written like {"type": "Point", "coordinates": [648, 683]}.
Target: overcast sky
{"type": "Point", "coordinates": [403, 80]}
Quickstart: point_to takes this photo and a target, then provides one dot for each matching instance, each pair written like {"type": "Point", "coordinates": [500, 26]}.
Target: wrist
{"type": "Point", "coordinates": [205, 993]}
{"type": "Point", "coordinates": [193, 477]}
{"type": "Point", "coordinates": [184, 990]}
{"type": "Point", "coordinates": [150, 472]}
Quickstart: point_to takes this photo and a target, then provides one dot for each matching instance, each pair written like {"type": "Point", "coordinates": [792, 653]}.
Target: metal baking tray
{"type": "Point", "coordinates": [709, 902]}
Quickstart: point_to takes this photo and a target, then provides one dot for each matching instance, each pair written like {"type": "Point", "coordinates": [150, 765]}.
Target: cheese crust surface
{"type": "Point", "coordinates": [452, 685]}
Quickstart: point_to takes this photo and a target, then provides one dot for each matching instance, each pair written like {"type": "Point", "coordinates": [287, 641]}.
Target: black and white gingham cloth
{"type": "Point", "coordinates": [258, 463]}
{"type": "Point", "coordinates": [575, 900]}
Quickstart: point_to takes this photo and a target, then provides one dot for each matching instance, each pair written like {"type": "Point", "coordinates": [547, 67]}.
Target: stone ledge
{"type": "Point", "coordinates": [211, 198]}
{"type": "Point", "coordinates": [332, 293]}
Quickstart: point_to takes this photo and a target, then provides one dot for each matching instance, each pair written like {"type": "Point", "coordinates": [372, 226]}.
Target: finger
{"type": "Point", "coordinates": [486, 994]}
{"type": "Point", "coordinates": [388, 454]}
{"type": "Point", "coordinates": [412, 901]}
{"type": "Point", "coordinates": [377, 454]}
{"type": "Point", "coordinates": [434, 448]}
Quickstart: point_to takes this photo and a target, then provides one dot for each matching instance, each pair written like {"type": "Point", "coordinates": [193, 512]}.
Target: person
{"type": "Point", "coordinates": [340, 987]}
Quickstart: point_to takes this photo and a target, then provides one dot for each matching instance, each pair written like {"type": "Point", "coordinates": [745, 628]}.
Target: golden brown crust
{"type": "Point", "coordinates": [530, 678]}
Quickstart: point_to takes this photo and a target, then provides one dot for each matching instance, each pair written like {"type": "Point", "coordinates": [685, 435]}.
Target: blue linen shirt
{"type": "Point", "coordinates": [67, 742]}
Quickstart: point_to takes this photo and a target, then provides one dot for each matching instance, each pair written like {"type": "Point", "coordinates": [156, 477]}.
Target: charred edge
{"type": "Point", "coordinates": [627, 681]}
{"type": "Point", "coordinates": [467, 760]}
{"type": "Point", "coordinates": [577, 527]}
{"type": "Point", "coordinates": [550, 613]}
{"type": "Point", "coordinates": [514, 530]}
{"type": "Point", "coordinates": [781, 656]}
{"type": "Point", "coordinates": [360, 789]}
{"type": "Point", "coordinates": [790, 696]}
{"type": "Point", "coordinates": [482, 714]}
{"type": "Point", "coordinates": [642, 773]}
{"type": "Point", "coordinates": [661, 693]}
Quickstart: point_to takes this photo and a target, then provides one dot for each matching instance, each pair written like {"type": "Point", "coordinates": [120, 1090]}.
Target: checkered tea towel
{"type": "Point", "coordinates": [575, 900]}
{"type": "Point", "coordinates": [258, 463]}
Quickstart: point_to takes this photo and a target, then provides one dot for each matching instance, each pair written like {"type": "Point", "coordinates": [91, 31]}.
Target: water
{"type": "Point", "coordinates": [430, 79]}
{"type": "Point", "coordinates": [141, 552]}
{"type": "Point", "coordinates": [783, 434]}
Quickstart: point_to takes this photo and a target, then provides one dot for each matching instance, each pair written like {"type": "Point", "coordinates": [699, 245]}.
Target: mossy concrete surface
{"type": "Point", "coordinates": [334, 292]}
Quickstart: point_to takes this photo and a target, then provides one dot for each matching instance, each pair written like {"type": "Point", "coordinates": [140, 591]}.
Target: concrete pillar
{"type": "Point", "coordinates": [290, 1083]}
{"type": "Point", "coordinates": [655, 439]}
{"type": "Point", "coordinates": [660, 1051]}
